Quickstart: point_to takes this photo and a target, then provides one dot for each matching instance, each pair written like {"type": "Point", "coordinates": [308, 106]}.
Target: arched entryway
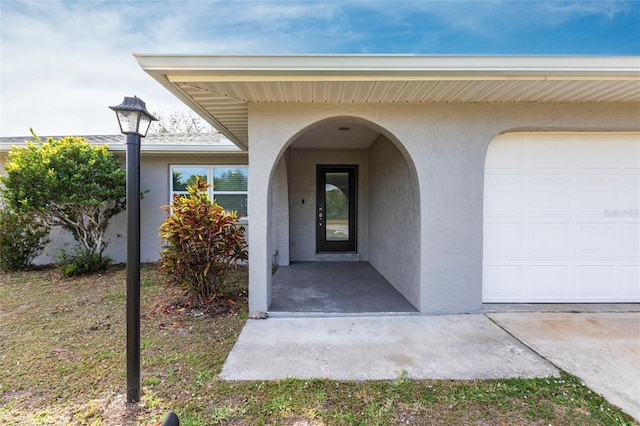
{"type": "Point", "coordinates": [344, 221]}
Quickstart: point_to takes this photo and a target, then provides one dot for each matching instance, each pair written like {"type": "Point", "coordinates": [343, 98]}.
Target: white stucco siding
{"type": "Point", "coordinates": [279, 219]}
{"type": "Point", "coordinates": [394, 219]}
{"type": "Point", "coordinates": [262, 163]}
{"type": "Point", "coordinates": [154, 178]}
{"type": "Point", "coordinates": [448, 144]}
{"type": "Point", "coordinates": [63, 240]}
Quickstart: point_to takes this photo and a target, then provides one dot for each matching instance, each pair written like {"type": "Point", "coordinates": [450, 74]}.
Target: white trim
{"type": "Point", "coordinates": [372, 76]}
{"type": "Point", "coordinates": [218, 149]}
{"type": "Point", "coordinates": [293, 67]}
{"type": "Point", "coordinates": [159, 149]}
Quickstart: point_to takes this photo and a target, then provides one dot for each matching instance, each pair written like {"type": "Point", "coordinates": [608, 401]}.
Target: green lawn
{"type": "Point", "coordinates": [62, 361]}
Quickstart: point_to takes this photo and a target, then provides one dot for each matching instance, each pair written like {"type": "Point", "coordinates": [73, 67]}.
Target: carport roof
{"type": "Point", "coordinates": [219, 87]}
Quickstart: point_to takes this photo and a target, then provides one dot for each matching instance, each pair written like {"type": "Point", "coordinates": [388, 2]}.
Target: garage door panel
{"type": "Point", "coordinates": [592, 153]}
{"type": "Point", "coordinates": [547, 154]}
{"type": "Point", "coordinates": [595, 281]}
{"type": "Point", "coordinates": [594, 195]}
{"type": "Point", "coordinates": [629, 196]}
{"type": "Point", "coordinates": [548, 239]}
{"type": "Point", "coordinates": [630, 238]}
{"type": "Point", "coordinates": [509, 198]}
{"type": "Point", "coordinates": [503, 238]}
{"type": "Point", "coordinates": [507, 156]}
{"type": "Point", "coordinates": [572, 234]}
{"type": "Point", "coordinates": [548, 195]}
{"type": "Point", "coordinates": [630, 281]}
{"type": "Point", "coordinates": [630, 154]}
{"type": "Point", "coordinates": [547, 282]}
{"type": "Point", "coordinates": [506, 279]}
{"type": "Point", "coordinates": [595, 239]}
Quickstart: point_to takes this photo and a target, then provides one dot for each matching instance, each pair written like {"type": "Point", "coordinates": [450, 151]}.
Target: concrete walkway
{"type": "Point", "coordinates": [381, 348]}
{"type": "Point", "coordinates": [603, 349]}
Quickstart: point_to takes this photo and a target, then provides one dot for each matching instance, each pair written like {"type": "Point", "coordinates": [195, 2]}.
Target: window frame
{"type": "Point", "coordinates": [211, 192]}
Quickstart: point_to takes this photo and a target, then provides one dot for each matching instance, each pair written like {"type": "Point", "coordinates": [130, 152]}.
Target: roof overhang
{"type": "Point", "coordinates": [181, 150]}
{"type": "Point", "coordinates": [153, 145]}
{"type": "Point", "coordinates": [219, 87]}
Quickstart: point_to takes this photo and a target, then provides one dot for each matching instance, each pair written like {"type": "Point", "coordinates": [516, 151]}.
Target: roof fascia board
{"type": "Point", "coordinates": [159, 149]}
{"type": "Point", "coordinates": [395, 66]}
{"type": "Point", "coordinates": [236, 77]}
{"type": "Point", "coordinates": [208, 149]}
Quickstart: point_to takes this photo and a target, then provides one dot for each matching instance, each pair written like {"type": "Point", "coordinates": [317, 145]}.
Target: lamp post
{"type": "Point", "coordinates": [134, 121]}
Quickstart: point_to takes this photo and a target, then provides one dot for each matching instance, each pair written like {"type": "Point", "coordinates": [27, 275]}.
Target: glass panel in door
{"type": "Point", "coordinates": [336, 195]}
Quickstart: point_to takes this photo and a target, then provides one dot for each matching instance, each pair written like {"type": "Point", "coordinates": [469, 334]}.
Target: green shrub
{"type": "Point", "coordinates": [22, 239]}
{"type": "Point", "coordinates": [203, 243]}
{"type": "Point", "coordinates": [81, 261]}
{"type": "Point", "coordinates": [69, 183]}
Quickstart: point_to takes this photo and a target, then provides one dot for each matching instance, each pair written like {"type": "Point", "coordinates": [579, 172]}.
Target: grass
{"type": "Point", "coordinates": [62, 361]}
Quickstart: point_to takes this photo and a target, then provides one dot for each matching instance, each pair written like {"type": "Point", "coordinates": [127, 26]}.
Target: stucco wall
{"type": "Point", "coordinates": [303, 187]}
{"type": "Point", "coordinates": [279, 219]}
{"type": "Point", "coordinates": [448, 144]}
{"type": "Point", "coordinates": [154, 178]}
{"type": "Point", "coordinates": [394, 219]}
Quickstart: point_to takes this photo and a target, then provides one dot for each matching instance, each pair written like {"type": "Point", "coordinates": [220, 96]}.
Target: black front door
{"type": "Point", "coordinates": [336, 208]}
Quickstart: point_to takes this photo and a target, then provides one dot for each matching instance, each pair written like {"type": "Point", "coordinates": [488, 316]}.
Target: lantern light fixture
{"type": "Point", "coordinates": [133, 116]}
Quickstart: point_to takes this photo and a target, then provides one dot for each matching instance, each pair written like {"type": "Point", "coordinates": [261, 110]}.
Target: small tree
{"type": "Point", "coordinates": [203, 243]}
{"type": "Point", "coordinates": [68, 183]}
{"type": "Point", "coordinates": [180, 122]}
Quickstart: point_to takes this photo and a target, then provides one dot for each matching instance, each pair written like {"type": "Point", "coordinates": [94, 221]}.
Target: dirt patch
{"type": "Point", "coordinates": [568, 325]}
{"type": "Point", "coordinates": [18, 309]}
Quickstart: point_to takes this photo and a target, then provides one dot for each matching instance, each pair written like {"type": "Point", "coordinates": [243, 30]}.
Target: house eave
{"type": "Point", "coordinates": [202, 112]}
{"type": "Point", "coordinates": [220, 87]}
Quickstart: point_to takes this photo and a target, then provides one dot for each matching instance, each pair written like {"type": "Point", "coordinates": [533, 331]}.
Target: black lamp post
{"type": "Point", "coordinates": [134, 121]}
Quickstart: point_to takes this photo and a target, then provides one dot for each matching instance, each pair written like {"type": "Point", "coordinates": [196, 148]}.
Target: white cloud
{"type": "Point", "coordinates": [63, 63]}
{"type": "Point", "coordinates": [432, 25]}
{"type": "Point", "coordinates": [564, 10]}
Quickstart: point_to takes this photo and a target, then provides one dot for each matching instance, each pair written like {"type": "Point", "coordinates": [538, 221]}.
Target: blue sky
{"type": "Point", "coordinates": [63, 62]}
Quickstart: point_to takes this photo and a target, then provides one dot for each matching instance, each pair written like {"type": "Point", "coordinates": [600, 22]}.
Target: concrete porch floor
{"type": "Point", "coordinates": [329, 288]}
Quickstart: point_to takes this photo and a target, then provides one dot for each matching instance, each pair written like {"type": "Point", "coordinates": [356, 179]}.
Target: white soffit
{"type": "Point", "coordinates": [220, 87]}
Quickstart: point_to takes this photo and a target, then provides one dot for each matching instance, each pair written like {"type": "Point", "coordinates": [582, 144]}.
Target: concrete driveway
{"type": "Point", "coordinates": [602, 349]}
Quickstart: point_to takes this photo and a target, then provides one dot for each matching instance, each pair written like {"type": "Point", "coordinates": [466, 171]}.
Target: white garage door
{"type": "Point", "coordinates": [561, 218]}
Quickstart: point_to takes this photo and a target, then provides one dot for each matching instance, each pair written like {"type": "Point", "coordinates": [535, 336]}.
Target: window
{"type": "Point", "coordinates": [229, 184]}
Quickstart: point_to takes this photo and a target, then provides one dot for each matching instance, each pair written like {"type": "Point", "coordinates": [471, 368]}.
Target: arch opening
{"type": "Point", "coordinates": [385, 220]}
